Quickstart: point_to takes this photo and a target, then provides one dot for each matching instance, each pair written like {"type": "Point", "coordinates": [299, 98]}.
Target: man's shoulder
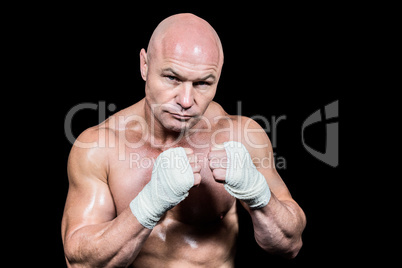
{"type": "Point", "coordinates": [102, 139]}
{"type": "Point", "coordinates": [241, 128]}
{"type": "Point", "coordinates": [87, 156]}
{"type": "Point", "coordinates": [92, 138]}
{"type": "Point", "coordinates": [104, 132]}
{"type": "Point", "coordinates": [222, 119]}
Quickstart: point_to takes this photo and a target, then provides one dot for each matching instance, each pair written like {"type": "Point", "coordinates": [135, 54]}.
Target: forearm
{"type": "Point", "coordinates": [117, 243]}
{"type": "Point", "coordinates": [278, 226]}
{"type": "Point", "coordinates": [110, 244]}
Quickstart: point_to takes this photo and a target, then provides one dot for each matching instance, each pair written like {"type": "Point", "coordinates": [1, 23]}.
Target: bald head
{"type": "Point", "coordinates": [186, 37]}
{"type": "Point", "coordinates": [181, 70]}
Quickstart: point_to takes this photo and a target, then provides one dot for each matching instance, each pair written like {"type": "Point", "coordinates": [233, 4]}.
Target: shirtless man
{"type": "Point", "coordinates": [156, 184]}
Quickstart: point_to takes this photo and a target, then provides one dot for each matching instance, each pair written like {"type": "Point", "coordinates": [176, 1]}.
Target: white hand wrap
{"type": "Point", "coordinates": [243, 180]}
{"type": "Point", "coordinates": [172, 178]}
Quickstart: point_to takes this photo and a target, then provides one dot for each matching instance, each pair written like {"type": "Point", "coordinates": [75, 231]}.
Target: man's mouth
{"type": "Point", "coordinates": [182, 117]}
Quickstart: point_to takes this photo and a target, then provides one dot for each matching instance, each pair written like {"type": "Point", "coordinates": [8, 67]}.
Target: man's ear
{"type": "Point", "coordinates": [143, 64]}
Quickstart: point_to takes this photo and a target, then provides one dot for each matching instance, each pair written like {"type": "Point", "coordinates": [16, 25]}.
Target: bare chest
{"type": "Point", "coordinates": [128, 176]}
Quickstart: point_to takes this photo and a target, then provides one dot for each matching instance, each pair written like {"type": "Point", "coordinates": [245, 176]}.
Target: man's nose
{"type": "Point", "coordinates": [185, 97]}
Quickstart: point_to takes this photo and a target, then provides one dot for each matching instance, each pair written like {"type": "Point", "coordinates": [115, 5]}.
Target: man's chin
{"type": "Point", "coordinates": [181, 125]}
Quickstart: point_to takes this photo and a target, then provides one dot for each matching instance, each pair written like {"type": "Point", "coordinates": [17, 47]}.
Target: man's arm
{"type": "Point", "coordinates": [278, 226]}
{"type": "Point", "coordinates": [92, 234]}
{"type": "Point", "coordinates": [250, 176]}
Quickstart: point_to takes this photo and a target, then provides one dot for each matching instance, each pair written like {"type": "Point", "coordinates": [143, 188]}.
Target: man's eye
{"type": "Point", "coordinates": [171, 78]}
{"type": "Point", "coordinates": [201, 83]}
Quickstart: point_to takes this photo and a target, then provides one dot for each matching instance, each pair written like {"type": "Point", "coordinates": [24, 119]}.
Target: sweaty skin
{"type": "Point", "coordinates": [111, 163]}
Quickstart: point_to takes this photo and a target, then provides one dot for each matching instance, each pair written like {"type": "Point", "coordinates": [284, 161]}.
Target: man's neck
{"type": "Point", "coordinates": [158, 134]}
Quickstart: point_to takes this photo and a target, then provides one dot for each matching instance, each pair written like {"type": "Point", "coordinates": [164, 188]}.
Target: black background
{"type": "Point", "coordinates": [279, 61]}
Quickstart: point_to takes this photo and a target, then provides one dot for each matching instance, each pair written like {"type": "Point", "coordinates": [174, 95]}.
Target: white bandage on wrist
{"type": "Point", "coordinates": [172, 178]}
{"type": "Point", "coordinates": [243, 180]}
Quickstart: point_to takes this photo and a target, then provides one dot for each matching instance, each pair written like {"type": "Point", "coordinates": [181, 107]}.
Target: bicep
{"type": "Point", "coordinates": [89, 200]}
{"type": "Point", "coordinates": [259, 146]}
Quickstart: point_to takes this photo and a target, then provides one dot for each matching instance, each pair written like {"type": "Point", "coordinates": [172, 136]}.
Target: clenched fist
{"type": "Point", "coordinates": [218, 162]}
{"type": "Point", "coordinates": [231, 164]}
{"type": "Point", "coordinates": [174, 173]}
{"type": "Point", "coordinates": [195, 166]}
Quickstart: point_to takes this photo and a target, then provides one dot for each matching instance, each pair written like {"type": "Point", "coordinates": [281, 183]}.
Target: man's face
{"type": "Point", "coordinates": [180, 84]}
